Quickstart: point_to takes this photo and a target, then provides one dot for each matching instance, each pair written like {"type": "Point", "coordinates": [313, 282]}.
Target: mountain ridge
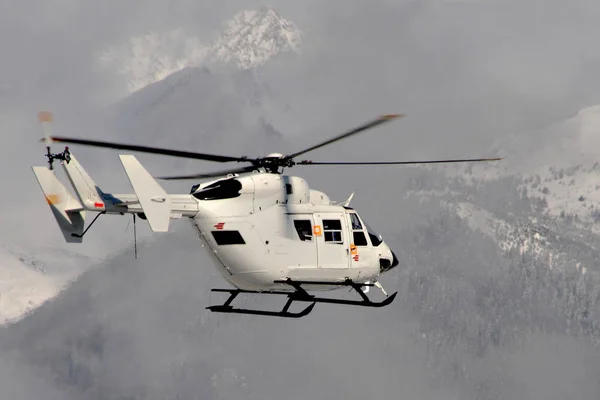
{"type": "Point", "coordinates": [248, 40]}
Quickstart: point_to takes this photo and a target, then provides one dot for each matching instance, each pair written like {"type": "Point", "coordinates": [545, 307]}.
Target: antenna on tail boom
{"type": "Point", "coordinates": [134, 238]}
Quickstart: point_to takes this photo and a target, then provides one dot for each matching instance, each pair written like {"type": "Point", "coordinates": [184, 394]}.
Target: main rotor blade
{"type": "Point", "coordinates": [308, 162]}
{"type": "Point", "coordinates": [153, 150]}
{"type": "Point", "coordinates": [372, 124]}
{"type": "Point", "coordinates": [209, 175]}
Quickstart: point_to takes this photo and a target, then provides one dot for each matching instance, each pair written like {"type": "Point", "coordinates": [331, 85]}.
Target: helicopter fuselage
{"type": "Point", "coordinates": [265, 227]}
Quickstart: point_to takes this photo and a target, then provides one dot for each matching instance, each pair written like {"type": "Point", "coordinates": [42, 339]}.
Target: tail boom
{"type": "Point", "coordinates": [155, 205]}
{"type": "Point", "coordinates": [149, 202]}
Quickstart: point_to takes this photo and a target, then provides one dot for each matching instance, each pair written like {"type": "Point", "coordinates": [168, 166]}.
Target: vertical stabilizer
{"type": "Point", "coordinates": [88, 193]}
{"type": "Point", "coordinates": [67, 210]}
{"type": "Point", "coordinates": [155, 202]}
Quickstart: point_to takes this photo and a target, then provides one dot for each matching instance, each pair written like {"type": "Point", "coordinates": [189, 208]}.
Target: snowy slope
{"type": "Point", "coordinates": [518, 230]}
{"type": "Point", "coordinates": [148, 58]}
{"type": "Point", "coordinates": [21, 288]}
{"type": "Point", "coordinates": [248, 39]}
{"type": "Point", "coordinates": [523, 236]}
{"type": "Point", "coordinates": [30, 277]}
{"type": "Point", "coordinates": [541, 202]}
{"type": "Point", "coordinates": [559, 165]}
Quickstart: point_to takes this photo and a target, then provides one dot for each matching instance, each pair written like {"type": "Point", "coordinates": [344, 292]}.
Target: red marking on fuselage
{"type": "Point", "coordinates": [98, 205]}
{"type": "Point", "coordinates": [220, 225]}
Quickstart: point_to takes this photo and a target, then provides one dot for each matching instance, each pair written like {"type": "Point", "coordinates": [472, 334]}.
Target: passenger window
{"type": "Point", "coordinates": [359, 238]}
{"type": "Point", "coordinates": [332, 230]}
{"type": "Point", "coordinates": [224, 238]}
{"type": "Point", "coordinates": [304, 229]}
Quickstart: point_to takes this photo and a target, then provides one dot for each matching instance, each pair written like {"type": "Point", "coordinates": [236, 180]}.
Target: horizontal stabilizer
{"type": "Point", "coordinates": [155, 202]}
{"type": "Point", "coordinates": [67, 210]}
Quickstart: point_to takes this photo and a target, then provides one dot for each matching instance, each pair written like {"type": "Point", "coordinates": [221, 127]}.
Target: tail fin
{"type": "Point", "coordinates": [89, 194]}
{"type": "Point", "coordinates": [155, 202]}
{"type": "Point", "coordinates": [67, 211]}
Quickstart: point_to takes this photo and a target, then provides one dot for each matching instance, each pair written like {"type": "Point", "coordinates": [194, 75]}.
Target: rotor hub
{"type": "Point", "coordinates": [275, 155]}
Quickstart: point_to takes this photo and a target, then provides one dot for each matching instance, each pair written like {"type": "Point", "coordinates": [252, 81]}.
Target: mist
{"type": "Point", "coordinates": [468, 323]}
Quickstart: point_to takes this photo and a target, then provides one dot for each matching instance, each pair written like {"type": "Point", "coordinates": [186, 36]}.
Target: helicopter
{"type": "Point", "coordinates": [266, 232]}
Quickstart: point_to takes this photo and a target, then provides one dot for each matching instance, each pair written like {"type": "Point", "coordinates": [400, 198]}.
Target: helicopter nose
{"type": "Point", "coordinates": [395, 260]}
{"type": "Point", "coordinates": [385, 264]}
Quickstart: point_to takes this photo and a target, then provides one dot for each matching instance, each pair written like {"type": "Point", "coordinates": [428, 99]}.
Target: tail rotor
{"type": "Point", "coordinates": [45, 118]}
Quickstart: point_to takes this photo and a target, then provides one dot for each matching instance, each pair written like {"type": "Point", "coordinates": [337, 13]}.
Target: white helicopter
{"type": "Point", "coordinates": [267, 233]}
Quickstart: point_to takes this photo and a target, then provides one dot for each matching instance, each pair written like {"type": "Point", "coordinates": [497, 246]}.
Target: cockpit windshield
{"type": "Point", "coordinates": [376, 239]}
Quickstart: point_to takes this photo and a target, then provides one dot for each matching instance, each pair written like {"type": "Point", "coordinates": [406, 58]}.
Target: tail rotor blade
{"type": "Point", "coordinates": [45, 118]}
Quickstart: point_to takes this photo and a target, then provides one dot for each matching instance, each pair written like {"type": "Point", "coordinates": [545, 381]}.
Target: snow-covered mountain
{"type": "Point", "coordinates": [563, 168]}
{"type": "Point", "coordinates": [249, 39]}
{"type": "Point", "coordinates": [542, 200]}
{"type": "Point", "coordinates": [253, 37]}
{"type": "Point", "coordinates": [559, 165]}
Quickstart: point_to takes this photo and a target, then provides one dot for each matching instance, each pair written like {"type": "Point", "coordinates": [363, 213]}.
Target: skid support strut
{"type": "Point", "coordinates": [301, 295]}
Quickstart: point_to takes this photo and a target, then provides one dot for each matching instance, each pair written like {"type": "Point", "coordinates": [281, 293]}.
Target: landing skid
{"type": "Point", "coordinates": [300, 295]}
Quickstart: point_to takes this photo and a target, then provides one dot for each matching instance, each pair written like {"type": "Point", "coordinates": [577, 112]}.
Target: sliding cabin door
{"type": "Point", "coordinates": [333, 241]}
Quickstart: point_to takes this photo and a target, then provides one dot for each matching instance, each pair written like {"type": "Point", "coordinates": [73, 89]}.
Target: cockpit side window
{"type": "Point", "coordinates": [356, 225]}
{"type": "Point", "coordinates": [358, 235]}
{"type": "Point", "coordinates": [304, 229]}
{"type": "Point", "coordinates": [359, 238]}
